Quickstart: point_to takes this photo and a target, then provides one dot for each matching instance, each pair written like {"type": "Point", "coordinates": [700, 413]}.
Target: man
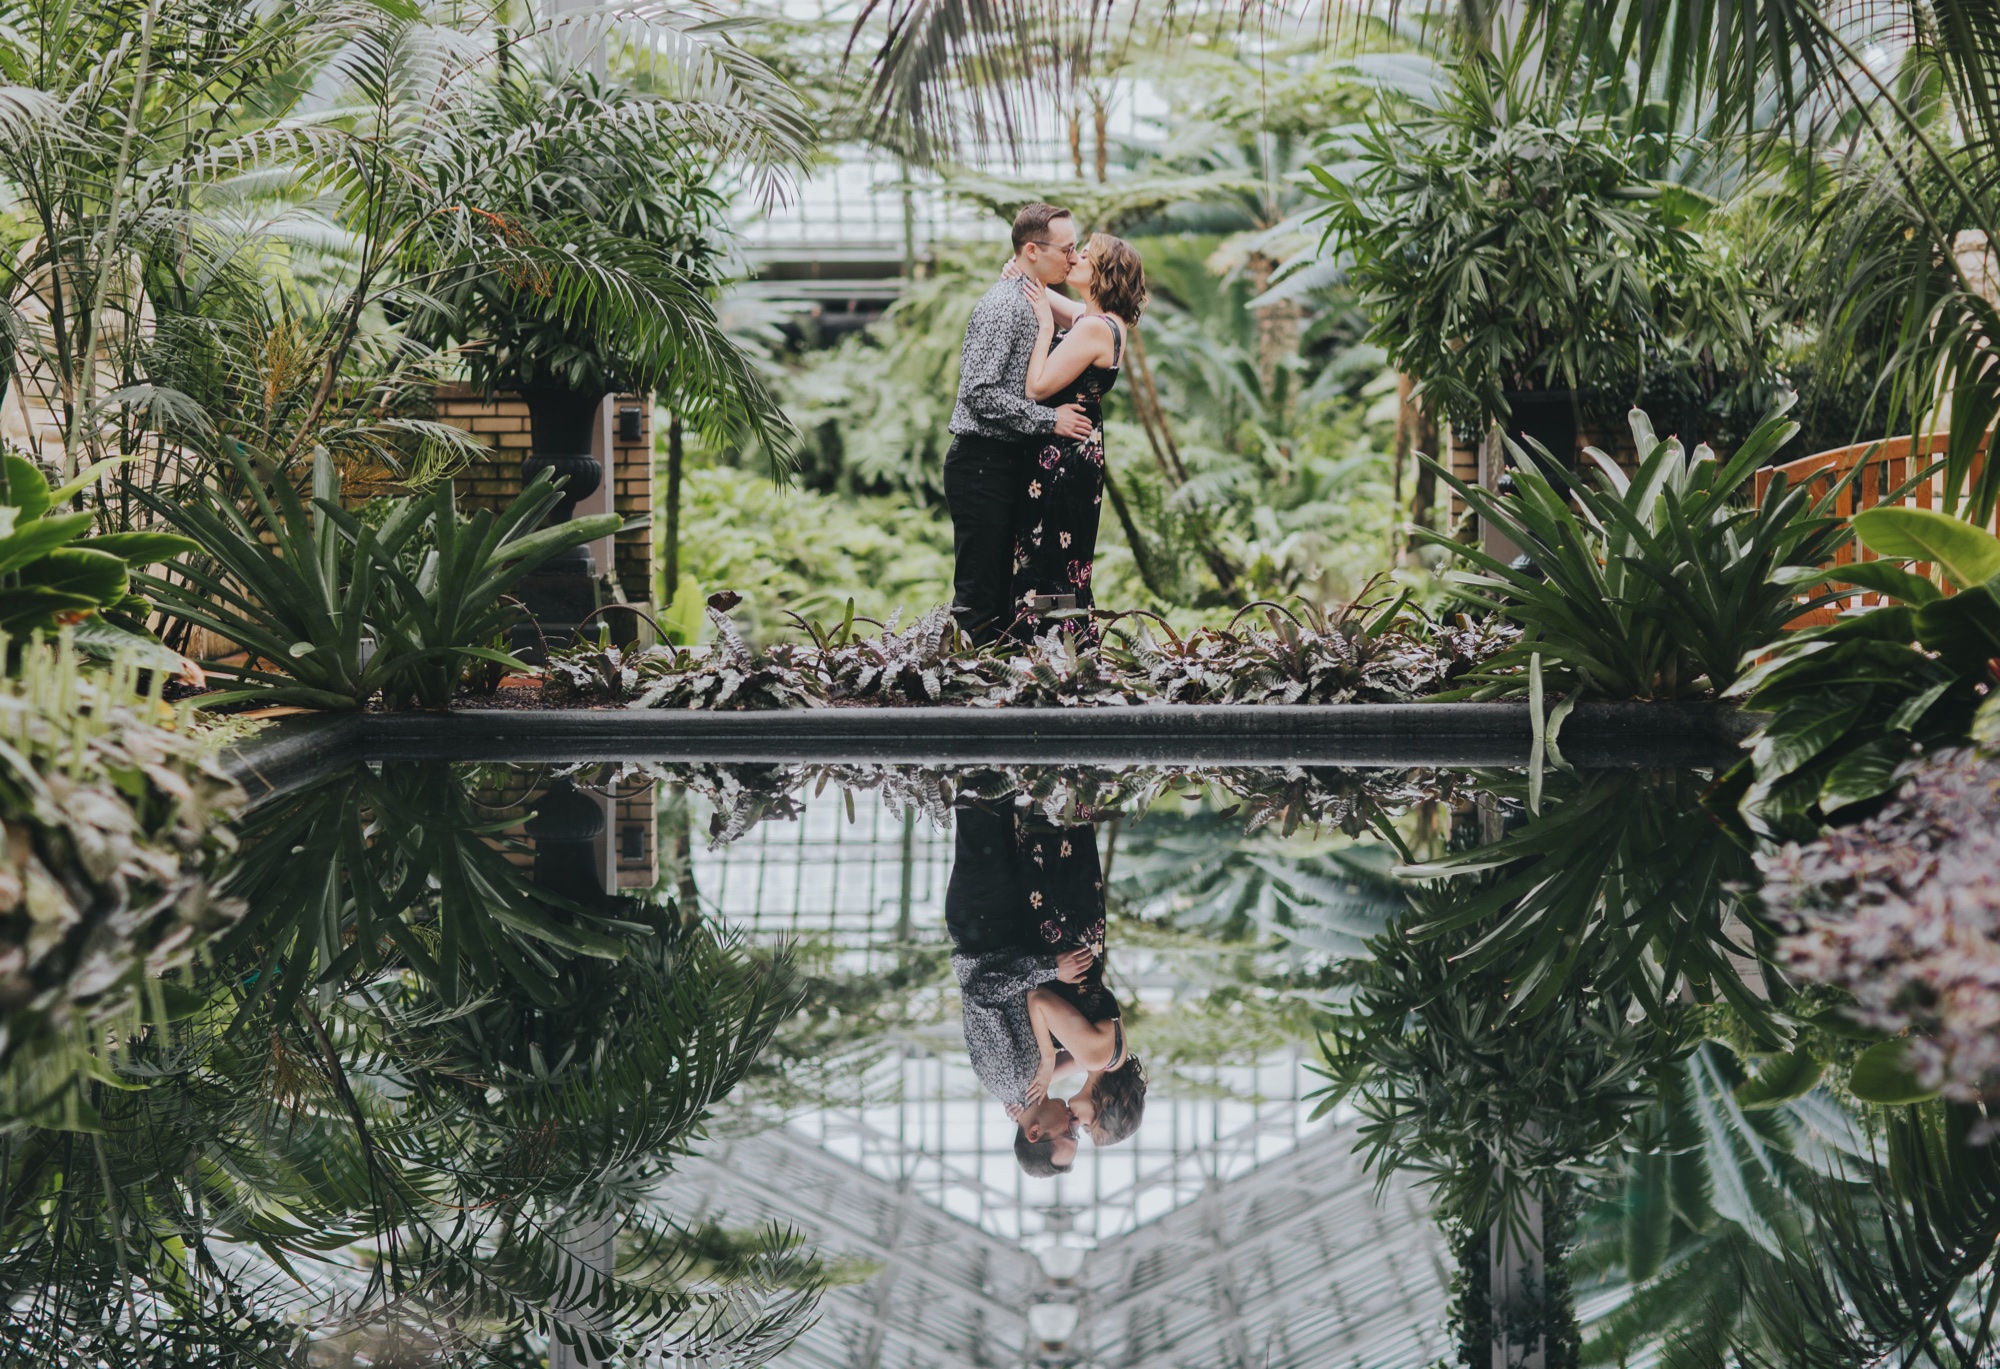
{"type": "Point", "coordinates": [985, 911]}
{"type": "Point", "coordinates": [995, 425]}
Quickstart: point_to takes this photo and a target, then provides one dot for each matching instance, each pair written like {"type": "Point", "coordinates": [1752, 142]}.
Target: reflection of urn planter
{"type": "Point", "coordinates": [563, 427]}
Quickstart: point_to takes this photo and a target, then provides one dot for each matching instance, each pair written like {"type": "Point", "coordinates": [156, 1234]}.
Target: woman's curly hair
{"type": "Point", "coordinates": [1120, 1096]}
{"type": "Point", "coordinates": [1118, 280]}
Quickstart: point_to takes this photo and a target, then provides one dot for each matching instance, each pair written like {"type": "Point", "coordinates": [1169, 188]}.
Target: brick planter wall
{"type": "Point", "coordinates": [628, 475]}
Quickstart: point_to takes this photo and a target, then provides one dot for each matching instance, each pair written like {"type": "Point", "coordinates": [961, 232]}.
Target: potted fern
{"type": "Point", "coordinates": [589, 273]}
{"type": "Point", "coordinates": [1524, 263]}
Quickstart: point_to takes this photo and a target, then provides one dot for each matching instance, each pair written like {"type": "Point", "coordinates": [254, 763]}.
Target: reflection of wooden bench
{"type": "Point", "coordinates": [1890, 465]}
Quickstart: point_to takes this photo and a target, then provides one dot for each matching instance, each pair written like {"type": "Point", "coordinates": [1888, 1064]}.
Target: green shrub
{"type": "Point", "coordinates": [1653, 587]}
{"type": "Point", "coordinates": [113, 813]}
{"type": "Point", "coordinates": [53, 573]}
{"type": "Point", "coordinates": [333, 610]}
{"type": "Point", "coordinates": [1852, 702]}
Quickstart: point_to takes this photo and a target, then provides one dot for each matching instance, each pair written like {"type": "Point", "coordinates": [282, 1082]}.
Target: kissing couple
{"type": "Point", "coordinates": [1024, 477]}
{"type": "Point", "coordinates": [1025, 909]}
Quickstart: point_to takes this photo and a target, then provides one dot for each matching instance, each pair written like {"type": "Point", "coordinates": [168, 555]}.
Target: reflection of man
{"type": "Point", "coordinates": [997, 965]}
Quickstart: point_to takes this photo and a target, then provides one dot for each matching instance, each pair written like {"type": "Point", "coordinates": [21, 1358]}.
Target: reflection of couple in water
{"type": "Point", "coordinates": [1025, 908]}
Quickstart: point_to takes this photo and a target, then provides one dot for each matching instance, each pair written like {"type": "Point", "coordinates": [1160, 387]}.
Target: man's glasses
{"type": "Point", "coordinates": [1070, 251]}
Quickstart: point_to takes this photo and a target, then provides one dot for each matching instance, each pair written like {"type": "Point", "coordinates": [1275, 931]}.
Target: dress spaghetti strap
{"type": "Point", "coordinates": [1117, 339]}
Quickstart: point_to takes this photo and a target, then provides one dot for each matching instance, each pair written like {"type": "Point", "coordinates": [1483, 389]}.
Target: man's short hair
{"type": "Point", "coordinates": [1033, 222]}
{"type": "Point", "coordinates": [1038, 1158]}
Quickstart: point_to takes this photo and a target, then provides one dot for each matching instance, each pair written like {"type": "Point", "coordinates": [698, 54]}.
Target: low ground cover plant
{"type": "Point", "coordinates": [1902, 911]}
{"type": "Point", "coordinates": [1383, 652]}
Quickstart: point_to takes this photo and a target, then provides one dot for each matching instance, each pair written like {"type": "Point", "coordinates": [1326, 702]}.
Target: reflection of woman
{"type": "Point", "coordinates": [999, 959]}
{"type": "Point", "coordinates": [1113, 1098]}
{"type": "Point", "coordinates": [1055, 534]}
{"type": "Point", "coordinates": [1077, 1023]}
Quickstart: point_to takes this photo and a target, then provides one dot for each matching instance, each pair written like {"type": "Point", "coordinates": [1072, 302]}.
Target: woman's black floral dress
{"type": "Point", "coordinates": [1055, 534]}
{"type": "Point", "coordinates": [1065, 884]}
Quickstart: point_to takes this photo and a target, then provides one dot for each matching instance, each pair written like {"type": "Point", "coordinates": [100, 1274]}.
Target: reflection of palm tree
{"type": "Point", "coordinates": [1628, 880]}
{"type": "Point", "coordinates": [1780, 1236]}
{"type": "Point", "coordinates": [408, 1053]}
{"type": "Point", "coordinates": [1202, 873]}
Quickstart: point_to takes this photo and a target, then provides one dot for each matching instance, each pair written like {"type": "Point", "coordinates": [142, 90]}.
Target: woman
{"type": "Point", "coordinates": [1055, 538]}
{"type": "Point", "coordinates": [1112, 1101]}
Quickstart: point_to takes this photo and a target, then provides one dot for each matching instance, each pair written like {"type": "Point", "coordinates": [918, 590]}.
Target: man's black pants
{"type": "Point", "coordinates": [983, 478]}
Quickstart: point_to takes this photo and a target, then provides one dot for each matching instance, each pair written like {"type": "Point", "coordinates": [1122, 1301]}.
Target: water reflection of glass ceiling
{"type": "Point", "coordinates": [1229, 1230]}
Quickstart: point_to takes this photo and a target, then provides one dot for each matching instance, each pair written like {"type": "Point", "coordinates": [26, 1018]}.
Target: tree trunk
{"type": "Point", "coordinates": [1416, 433]}
{"type": "Point", "coordinates": [670, 554]}
{"type": "Point", "coordinates": [1277, 324]}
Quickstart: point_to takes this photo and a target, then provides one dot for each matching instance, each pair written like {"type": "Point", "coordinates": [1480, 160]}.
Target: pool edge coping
{"type": "Point", "coordinates": [294, 752]}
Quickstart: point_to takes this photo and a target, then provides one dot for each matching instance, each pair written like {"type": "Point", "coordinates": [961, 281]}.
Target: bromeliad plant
{"type": "Point", "coordinates": [1655, 586]}
{"type": "Point", "coordinates": [1358, 652]}
{"type": "Point", "coordinates": [333, 611]}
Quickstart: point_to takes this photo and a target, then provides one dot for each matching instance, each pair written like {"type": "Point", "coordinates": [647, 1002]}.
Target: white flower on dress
{"type": "Point", "coordinates": [1034, 489]}
{"type": "Point", "coordinates": [1061, 537]}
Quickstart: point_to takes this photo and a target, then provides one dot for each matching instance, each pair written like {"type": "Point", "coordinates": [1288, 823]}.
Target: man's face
{"type": "Point", "coordinates": [1050, 258]}
{"type": "Point", "coordinates": [1050, 1117]}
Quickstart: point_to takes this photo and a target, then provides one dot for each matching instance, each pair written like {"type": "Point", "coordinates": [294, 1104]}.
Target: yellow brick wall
{"type": "Point", "coordinates": [503, 424]}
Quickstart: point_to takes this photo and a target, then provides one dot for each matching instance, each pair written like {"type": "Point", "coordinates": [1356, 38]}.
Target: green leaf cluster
{"type": "Point", "coordinates": [1513, 241]}
{"type": "Point", "coordinates": [1654, 586]}
{"type": "Point", "coordinates": [53, 572]}
{"type": "Point", "coordinates": [333, 611]}
{"type": "Point", "coordinates": [1853, 701]}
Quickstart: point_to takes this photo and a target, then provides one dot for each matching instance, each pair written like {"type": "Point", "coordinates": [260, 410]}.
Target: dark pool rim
{"type": "Point", "coordinates": [292, 751]}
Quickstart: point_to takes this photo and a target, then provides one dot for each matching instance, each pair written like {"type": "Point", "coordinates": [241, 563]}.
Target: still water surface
{"type": "Point", "coordinates": [710, 1064]}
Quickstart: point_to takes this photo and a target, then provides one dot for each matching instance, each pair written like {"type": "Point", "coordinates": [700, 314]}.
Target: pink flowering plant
{"type": "Point", "coordinates": [1903, 912]}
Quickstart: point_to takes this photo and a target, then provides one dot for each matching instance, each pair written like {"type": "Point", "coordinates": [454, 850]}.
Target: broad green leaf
{"type": "Point", "coordinates": [33, 540]}
{"type": "Point", "coordinates": [1964, 628]}
{"type": "Point", "coordinates": [142, 548]}
{"type": "Point", "coordinates": [1884, 578]}
{"type": "Point", "coordinates": [94, 575]}
{"type": "Point", "coordinates": [1867, 772]}
{"type": "Point", "coordinates": [1778, 1080]}
{"type": "Point", "coordinates": [1986, 722]}
{"type": "Point", "coordinates": [107, 641]}
{"type": "Point", "coordinates": [27, 489]}
{"type": "Point", "coordinates": [1883, 1074]}
{"type": "Point", "coordinates": [84, 479]}
{"type": "Point", "coordinates": [1798, 734]}
{"type": "Point", "coordinates": [1967, 555]}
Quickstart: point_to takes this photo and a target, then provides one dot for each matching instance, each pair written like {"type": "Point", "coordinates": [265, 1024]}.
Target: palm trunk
{"type": "Point", "coordinates": [670, 554]}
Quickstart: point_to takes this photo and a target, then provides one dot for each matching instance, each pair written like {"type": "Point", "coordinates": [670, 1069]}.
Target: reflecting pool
{"type": "Point", "coordinates": [903, 1066]}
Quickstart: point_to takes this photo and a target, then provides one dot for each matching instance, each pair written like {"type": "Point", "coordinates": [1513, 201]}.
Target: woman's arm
{"type": "Point", "coordinates": [1038, 1017]}
{"type": "Point", "coordinates": [1049, 372]}
{"type": "Point", "coordinates": [1066, 310]}
{"type": "Point", "coordinates": [1088, 1043]}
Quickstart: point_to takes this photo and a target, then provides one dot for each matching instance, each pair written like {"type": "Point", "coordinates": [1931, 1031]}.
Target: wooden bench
{"type": "Point", "coordinates": [1891, 465]}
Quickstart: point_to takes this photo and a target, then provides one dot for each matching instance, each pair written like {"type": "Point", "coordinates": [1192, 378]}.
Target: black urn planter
{"type": "Point", "coordinates": [1549, 417]}
{"type": "Point", "coordinates": [563, 592]}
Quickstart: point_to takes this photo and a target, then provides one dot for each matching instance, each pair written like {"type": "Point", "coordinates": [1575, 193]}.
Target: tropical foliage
{"type": "Point", "coordinates": [333, 611]}
{"type": "Point", "coordinates": [416, 1083]}
{"type": "Point", "coordinates": [1516, 240]}
{"type": "Point", "coordinates": [1655, 585]}
{"type": "Point", "coordinates": [114, 812]}
{"type": "Point", "coordinates": [1852, 701]}
{"type": "Point", "coordinates": [1382, 651]}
